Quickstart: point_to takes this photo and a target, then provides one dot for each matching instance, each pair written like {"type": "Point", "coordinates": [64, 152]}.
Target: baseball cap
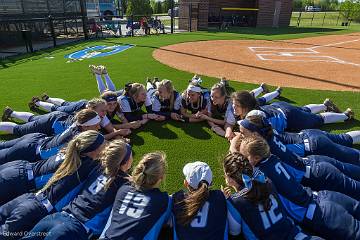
{"type": "Point", "coordinates": [196, 172]}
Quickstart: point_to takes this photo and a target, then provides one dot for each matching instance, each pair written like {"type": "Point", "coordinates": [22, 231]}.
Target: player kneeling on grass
{"type": "Point", "coordinates": [22, 213]}
{"type": "Point", "coordinates": [140, 208]}
{"type": "Point", "coordinates": [199, 213]}
{"type": "Point", "coordinates": [284, 116]}
{"type": "Point", "coordinates": [255, 209]}
{"type": "Point", "coordinates": [165, 100]}
{"type": "Point", "coordinates": [86, 215]}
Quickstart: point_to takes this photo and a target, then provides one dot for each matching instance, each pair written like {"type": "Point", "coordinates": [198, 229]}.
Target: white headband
{"type": "Point", "coordinates": [194, 88]}
{"type": "Point", "coordinates": [91, 122]}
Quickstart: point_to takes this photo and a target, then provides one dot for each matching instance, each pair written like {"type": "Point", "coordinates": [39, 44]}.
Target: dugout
{"type": "Point", "coordinates": [202, 14]}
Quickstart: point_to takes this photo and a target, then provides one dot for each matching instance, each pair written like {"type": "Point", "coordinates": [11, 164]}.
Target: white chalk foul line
{"type": "Point", "coordinates": [335, 44]}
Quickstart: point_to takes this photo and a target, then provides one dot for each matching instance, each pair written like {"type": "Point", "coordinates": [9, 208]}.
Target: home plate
{"type": "Point", "coordinates": [286, 54]}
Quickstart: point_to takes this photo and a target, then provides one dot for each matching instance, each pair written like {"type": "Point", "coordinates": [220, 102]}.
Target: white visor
{"type": "Point", "coordinates": [194, 88]}
{"type": "Point", "coordinates": [91, 122]}
{"type": "Point", "coordinates": [196, 172]}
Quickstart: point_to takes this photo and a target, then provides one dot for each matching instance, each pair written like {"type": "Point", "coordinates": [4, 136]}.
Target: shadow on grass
{"type": "Point", "coordinates": [342, 126]}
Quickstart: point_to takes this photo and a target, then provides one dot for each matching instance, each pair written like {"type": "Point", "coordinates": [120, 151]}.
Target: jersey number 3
{"type": "Point", "coordinates": [134, 204]}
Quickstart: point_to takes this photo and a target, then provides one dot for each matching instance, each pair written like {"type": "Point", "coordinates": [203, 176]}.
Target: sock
{"type": "Point", "coordinates": [331, 117]}
{"type": "Point", "coordinates": [56, 101]}
{"type": "Point", "coordinates": [355, 135]}
{"type": "Point", "coordinates": [316, 108]}
{"type": "Point", "coordinates": [7, 127]}
{"type": "Point", "coordinates": [110, 85]}
{"type": "Point", "coordinates": [100, 83]}
{"type": "Point", "coordinates": [257, 91]}
{"type": "Point", "coordinates": [271, 95]}
{"type": "Point", "coordinates": [45, 105]}
{"type": "Point", "coordinates": [23, 116]}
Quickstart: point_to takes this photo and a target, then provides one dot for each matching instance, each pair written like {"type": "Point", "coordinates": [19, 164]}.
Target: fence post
{"type": "Point", "coordinates": [190, 16]}
{"type": "Point", "coordinates": [52, 30]}
{"type": "Point", "coordinates": [299, 18]}
{"type": "Point", "coordinates": [132, 25]}
{"type": "Point", "coordinates": [312, 19]}
{"type": "Point", "coordinates": [172, 16]}
{"type": "Point", "coordinates": [337, 21]}
{"type": "Point", "coordinates": [84, 18]}
{"type": "Point", "coordinates": [323, 20]}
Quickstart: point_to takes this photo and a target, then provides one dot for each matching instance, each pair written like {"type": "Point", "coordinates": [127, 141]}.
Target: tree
{"type": "Point", "coordinates": [158, 8]}
{"type": "Point", "coordinates": [139, 7]}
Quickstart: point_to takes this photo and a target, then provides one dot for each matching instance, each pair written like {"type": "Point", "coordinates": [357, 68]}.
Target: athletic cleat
{"type": "Point", "coordinates": [330, 106]}
{"type": "Point", "coordinates": [102, 69]}
{"type": "Point", "coordinates": [44, 97]}
{"type": "Point", "coordinates": [6, 114]}
{"type": "Point", "coordinates": [264, 87]}
{"type": "Point", "coordinates": [279, 89]}
{"type": "Point", "coordinates": [95, 70]}
{"type": "Point", "coordinates": [349, 113]}
{"type": "Point", "coordinates": [32, 104]}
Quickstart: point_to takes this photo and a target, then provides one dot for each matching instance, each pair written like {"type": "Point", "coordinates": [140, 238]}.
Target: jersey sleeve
{"type": "Point", "coordinates": [156, 105]}
{"type": "Point", "coordinates": [124, 105]}
{"type": "Point", "coordinates": [229, 115]}
{"type": "Point", "coordinates": [104, 121]}
{"type": "Point", "coordinates": [177, 103]}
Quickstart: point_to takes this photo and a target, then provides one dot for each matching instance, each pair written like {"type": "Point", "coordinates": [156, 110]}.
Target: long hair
{"type": "Point", "coordinates": [192, 203]}
{"type": "Point", "coordinates": [149, 170]}
{"type": "Point", "coordinates": [235, 165]}
{"type": "Point", "coordinates": [72, 160]}
{"type": "Point", "coordinates": [132, 90]}
{"type": "Point", "coordinates": [112, 158]}
{"type": "Point", "coordinates": [167, 84]}
{"type": "Point", "coordinates": [245, 99]}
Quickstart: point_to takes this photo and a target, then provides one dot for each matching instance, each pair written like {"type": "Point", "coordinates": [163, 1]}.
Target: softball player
{"type": "Point", "coordinates": [22, 213]}
{"type": "Point", "coordinates": [86, 215]}
{"type": "Point", "coordinates": [165, 100]}
{"type": "Point", "coordinates": [314, 173]}
{"type": "Point", "coordinates": [19, 177]}
{"type": "Point", "coordinates": [37, 146]}
{"type": "Point", "coordinates": [255, 210]}
{"type": "Point", "coordinates": [283, 116]}
{"type": "Point", "coordinates": [100, 71]}
{"type": "Point", "coordinates": [199, 213]}
{"type": "Point", "coordinates": [131, 102]}
{"type": "Point", "coordinates": [140, 209]}
{"type": "Point", "coordinates": [331, 215]}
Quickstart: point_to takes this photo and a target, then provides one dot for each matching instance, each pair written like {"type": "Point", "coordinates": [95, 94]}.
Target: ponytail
{"type": "Point", "coordinates": [191, 205]}
{"type": "Point", "coordinates": [235, 165]}
{"type": "Point", "coordinates": [133, 89]}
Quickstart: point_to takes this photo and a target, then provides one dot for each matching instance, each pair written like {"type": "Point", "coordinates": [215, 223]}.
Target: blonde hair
{"type": "Point", "coordinates": [72, 160]}
{"type": "Point", "coordinates": [167, 84]}
{"type": "Point", "coordinates": [112, 157]}
{"type": "Point", "coordinates": [255, 145]}
{"type": "Point", "coordinates": [95, 102]}
{"type": "Point", "coordinates": [134, 89]}
{"type": "Point", "coordinates": [149, 170]}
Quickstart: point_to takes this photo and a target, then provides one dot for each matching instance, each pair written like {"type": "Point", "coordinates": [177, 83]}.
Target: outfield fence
{"type": "Point", "coordinates": [300, 18]}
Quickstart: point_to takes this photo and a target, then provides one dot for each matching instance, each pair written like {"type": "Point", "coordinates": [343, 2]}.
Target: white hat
{"type": "Point", "coordinates": [194, 88]}
{"type": "Point", "coordinates": [196, 172]}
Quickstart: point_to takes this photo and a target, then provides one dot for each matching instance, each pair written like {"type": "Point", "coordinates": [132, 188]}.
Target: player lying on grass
{"type": "Point", "coordinates": [22, 213]}
{"type": "Point", "coordinates": [284, 116]}
{"type": "Point", "coordinates": [57, 122]}
{"type": "Point", "coordinates": [328, 214]}
{"type": "Point", "coordinates": [99, 72]}
{"type": "Point", "coordinates": [85, 216]}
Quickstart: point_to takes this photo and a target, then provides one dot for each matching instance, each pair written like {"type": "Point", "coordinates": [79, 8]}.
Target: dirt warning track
{"type": "Point", "coordinates": [327, 62]}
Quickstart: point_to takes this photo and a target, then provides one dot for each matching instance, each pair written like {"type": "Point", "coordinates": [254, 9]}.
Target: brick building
{"type": "Point", "coordinates": [255, 13]}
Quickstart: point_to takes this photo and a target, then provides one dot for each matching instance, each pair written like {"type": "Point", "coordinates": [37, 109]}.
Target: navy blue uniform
{"type": "Point", "coordinates": [131, 109]}
{"type": "Point", "coordinates": [314, 141]}
{"type": "Point", "coordinates": [35, 146]}
{"type": "Point", "coordinates": [163, 108]}
{"type": "Point", "coordinates": [256, 223]}
{"type": "Point", "coordinates": [276, 117]}
{"type": "Point", "coordinates": [70, 107]}
{"type": "Point", "coordinates": [210, 223]}
{"type": "Point", "coordinates": [318, 175]}
{"type": "Point", "coordinates": [194, 108]}
{"type": "Point", "coordinates": [40, 124]}
{"type": "Point", "coordinates": [90, 209]}
{"type": "Point", "coordinates": [329, 214]}
{"type": "Point", "coordinates": [23, 212]}
{"type": "Point", "coordinates": [19, 177]}
{"type": "Point", "coordinates": [137, 214]}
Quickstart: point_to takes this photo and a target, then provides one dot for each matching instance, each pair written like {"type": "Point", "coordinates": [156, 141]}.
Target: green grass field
{"type": "Point", "coordinates": [32, 75]}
